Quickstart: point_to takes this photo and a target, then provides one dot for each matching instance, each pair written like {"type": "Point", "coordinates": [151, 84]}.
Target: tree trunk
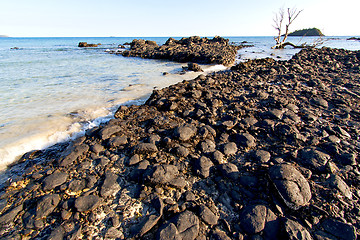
{"type": "Point", "coordinates": [283, 45]}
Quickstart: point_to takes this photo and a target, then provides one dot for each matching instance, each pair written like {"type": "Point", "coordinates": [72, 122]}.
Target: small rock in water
{"type": "Point", "coordinates": [194, 67]}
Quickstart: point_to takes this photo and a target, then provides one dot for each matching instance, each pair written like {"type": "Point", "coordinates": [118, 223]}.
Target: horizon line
{"type": "Point", "coordinates": [5, 36]}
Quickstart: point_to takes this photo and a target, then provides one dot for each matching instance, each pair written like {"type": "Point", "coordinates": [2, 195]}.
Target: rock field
{"type": "Point", "coordinates": [266, 150]}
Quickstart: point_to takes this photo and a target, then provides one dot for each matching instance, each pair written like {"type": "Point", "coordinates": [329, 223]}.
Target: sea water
{"type": "Point", "coordinates": [52, 90]}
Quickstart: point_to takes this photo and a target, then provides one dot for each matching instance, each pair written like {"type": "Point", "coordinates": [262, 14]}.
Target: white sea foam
{"type": "Point", "coordinates": [58, 129]}
{"type": "Point", "coordinates": [214, 68]}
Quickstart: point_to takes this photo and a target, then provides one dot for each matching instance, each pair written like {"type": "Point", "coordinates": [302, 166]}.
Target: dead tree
{"type": "Point", "coordinates": [292, 14]}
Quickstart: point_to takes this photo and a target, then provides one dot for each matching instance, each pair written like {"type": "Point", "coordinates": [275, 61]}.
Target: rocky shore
{"type": "Point", "coordinates": [192, 49]}
{"type": "Point", "coordinates": [266, 150]}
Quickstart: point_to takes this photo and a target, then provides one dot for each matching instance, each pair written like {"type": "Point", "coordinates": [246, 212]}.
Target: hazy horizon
{"type": "Point", "coordinates": [6, 36]}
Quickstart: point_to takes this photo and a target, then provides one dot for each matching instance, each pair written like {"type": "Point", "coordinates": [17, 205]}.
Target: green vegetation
{"type": "Point", "coordinates": [307, 32]}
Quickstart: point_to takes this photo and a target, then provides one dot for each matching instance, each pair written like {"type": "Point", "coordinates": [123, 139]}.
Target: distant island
{"type": "Point", "coordinates": [307, 32]}
{"type": "Point", "coordinates": [4, 36]}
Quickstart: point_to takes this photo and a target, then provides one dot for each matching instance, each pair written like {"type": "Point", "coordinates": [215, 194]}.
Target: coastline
{"type": "Point", "coordinates": [75, 123]}
{"type": "Point", "coordinates": [67, 88]}
{"type": "Point", "coordinates": [202, 150]}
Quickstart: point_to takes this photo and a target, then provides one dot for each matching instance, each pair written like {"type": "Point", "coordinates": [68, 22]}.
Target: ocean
{"type": "Point", "coordinates": [51, 90]}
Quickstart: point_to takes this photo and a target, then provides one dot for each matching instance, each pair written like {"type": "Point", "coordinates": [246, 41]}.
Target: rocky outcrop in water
{"type": "Point", "coordinates": [192, 49]}
{"type": "Point", "coordinates": [268, 150]}
{"type": "Point", "coordinates": [85, 44]}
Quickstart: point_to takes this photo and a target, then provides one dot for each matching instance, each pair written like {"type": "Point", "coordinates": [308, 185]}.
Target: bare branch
{"type": "Point", "coordinates": [279, 17]}
{"type": "Point", "coordinates": [292, 14]}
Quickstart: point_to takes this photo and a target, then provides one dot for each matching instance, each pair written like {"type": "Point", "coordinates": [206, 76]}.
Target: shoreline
{"type": "Point", "coordinates": [56, 116]}
{"type": "Point", "coordinates": [217, 156]}
{"type": "Point", "coordinates": [77, 128]}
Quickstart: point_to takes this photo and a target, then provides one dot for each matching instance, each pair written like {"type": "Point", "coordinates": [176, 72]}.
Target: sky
{"type": "Point", "coordinates": [165, 18]}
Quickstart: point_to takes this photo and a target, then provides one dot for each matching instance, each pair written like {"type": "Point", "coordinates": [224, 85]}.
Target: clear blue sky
{"type": "Point", "coordinates": [90, 18]}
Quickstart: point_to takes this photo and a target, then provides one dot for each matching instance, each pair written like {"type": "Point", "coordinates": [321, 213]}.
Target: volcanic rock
{"type": "Point", "coordinates": [314, 159]}
{"type": "Point", "coordinates": [47, 205]}
{"type": "Point", "coordinates": [54, 180]}
{"type": "Point", "coordinates": [163, 174]}
{"type": "Point", "coordinates": [339, 229]}
{"type": "Point", "coordinates": [192, 49]}
{"type": "Point", "coordinates": [85, 44]}
{"type": "Point", "coordinates": [87, 203]}
{"type": "Point", "coordinates": [10, 215]}
{"type": "Point", "coordinates": [110, 185]}
{"type": "Point", "coordinates": [246, 140]}
{"type": "Point", "coordinates": [183, 226]}
{"type": "Point", "coordinates": [294, 230]}
{"type": "Point", "coordinates": [72, 153]}
{"type": "Point", "coordinates": [194, 67]}
{"type": "Point", "coordinates": [202, 166]}
{"type": "Point", "coordinates": [145, 148]}
{"type": "Point", "coordinates": [291, 185]}
{"type": "Point", "coordinates": [184, 133]}
{"type": "Point", "coordinates": [208, 216]}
